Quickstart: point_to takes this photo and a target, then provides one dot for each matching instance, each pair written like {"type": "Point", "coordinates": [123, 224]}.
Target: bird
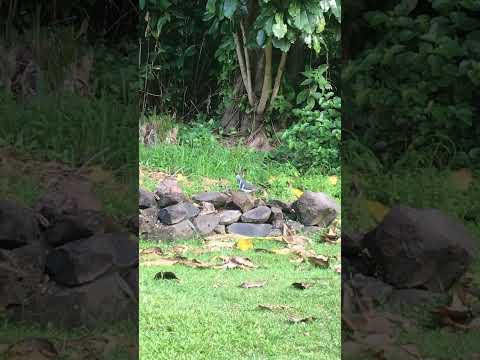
{"type": "Point", "coordinates": [244, 185]}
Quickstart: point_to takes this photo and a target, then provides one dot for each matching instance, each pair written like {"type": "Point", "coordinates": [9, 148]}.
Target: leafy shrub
{"type": "Point", "coordinates": [197, 134]}
{"type": "Point", "coordinates": [314, 140]}
{"type": "Point", "coordinates": [420, 80]}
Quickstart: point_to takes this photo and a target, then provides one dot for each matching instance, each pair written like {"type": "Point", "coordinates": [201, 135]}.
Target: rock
{"type": "Point", "coordinates": [18, 226]}
{"type": "Point", "coordinates": [218, 199]}
{"type": "Point", "coordinates": [21, 272]}
{"type": "Point", "coordinates": [275, 232]}
{"type": "Point", "coordinates": [352, 243]}
{"type": "Point", "coordinates": [85, 260]}
{"type": "Point", "coordinates": [259, 202]}
{"type": "Point", "coordinates": [147, 219]}
{"type": "Point", "coordinates": [295, 225]}
{"type": "Point", "coordinates": [312, 229]}
{"type": "Point", "coordinates": [146, 199]}
{"type": "Point", "coordinates": [286, 208]}
{"type": "Point", "coordinates": [182, 230]}
{"type": "Point", "coordinates": [151, 213]}
{"type": "Point", "coordinates": [131, 278]}
{"type": "Point", "coordinates": [206, 224]}
{"type": "Point", "coordinates": [316, 209]}
{"type": "Point", "coordinates": [228, 217]}
{"type": "Point", "coordinates": [172, 214]}
{"type": "Point", "coordinates": [67, 196]}
{"type": "Point", "coordinates": [168, 193]}
{"type": "Point", "coordinates": [108, 299]}
{"type": "Point", "coordinates": [191, 209]}
{"type": "Point", "coordinates": [220, 229]}
{"type": "Point", "coordinates": [277, 214]}
{"type": "Point", "coordinates": [258, 230]}
{"type": "Point", "coordinates": [70, 227]}
{"type": "Point", "coordinates": [258, 215]}
{"type": "Point", "coordinates": [242, 201]}
{"type": "Point", "coordinates": [413, 297]}
{"type": "Point", "coordinates": [372, 288]}
{"type": "Point", "coordinates": [420, 247]}
{"type": "Point", "coordinates": [133, 224]}
{"type": "Point", "coordinates": [207, 208]}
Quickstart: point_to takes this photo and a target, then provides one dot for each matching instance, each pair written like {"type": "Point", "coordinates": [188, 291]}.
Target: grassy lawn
{"type": "Point", "coordinates": [206, 315]}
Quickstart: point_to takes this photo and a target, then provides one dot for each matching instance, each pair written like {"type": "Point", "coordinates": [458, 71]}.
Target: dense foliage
{"type": "Point", "coordinates": [419, 82]}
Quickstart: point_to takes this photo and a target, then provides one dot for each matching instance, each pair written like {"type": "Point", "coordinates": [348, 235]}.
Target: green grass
{"type": "Point", "coordinates": [98, 130]}
{"type": "Point", "coordinates": [217, 162]}
{"type": "Point", "coordinates": [207, 315]}
{"type": "Point", "coordinates": [11, 333]}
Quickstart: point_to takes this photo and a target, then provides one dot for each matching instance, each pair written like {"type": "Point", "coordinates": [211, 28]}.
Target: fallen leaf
{"type": "Point", "coordinates": [151, 251]}
{"type": "Point", "coordinates": [377, 210]}
{"type": "Point", "coordinates": [297, 192]}
{"type": "Point", "coordinates": [461, 179]}
{"type": "Point", "coordinates": [165, 275]}
{"type": "Point", "coordinates": [32, 349]}
{"type": "Point", "coordinates": [244, 244]}
{"type": "Point", "coordinates": [333, 180]}
{"type": "Point", "coordinates": [253, 284]}
{"type": "Point", "coordinates": [319, 260]}
{"type": "Point", "coordinates": [231, 262]}
{"type": "Point", "coordinates": [302, 285]}
{"type": "Point", "coordinates": [338, 269]}
{"type": "Point", "coordinates": [160, 261]}
{"type": "Point", "coordinates": [179, 249]}
{"type": "Point", "coordinates": [296, 320]}
{"type": "Point", "coordinates": [273, 307]}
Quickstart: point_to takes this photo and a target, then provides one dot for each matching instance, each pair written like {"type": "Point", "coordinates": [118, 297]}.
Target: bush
{"type": "Point", "coordinates": [314, 139]}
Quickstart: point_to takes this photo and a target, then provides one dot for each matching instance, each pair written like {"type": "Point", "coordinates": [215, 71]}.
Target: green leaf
{"type": "Point", "coordinates": [211, 6]}
{"type": "Point", "coordinates": [229, 8]}
{"type": "Point", "coordinates": [142, 4]}
{"type": "Point", "coordinates": [282, 44]}
{"type": "Point", "coordinates": [405, 7]}
{"type": "Point", "coordinates": [279, 30]}
{"type": "Point", "coordinates": [301, 21]}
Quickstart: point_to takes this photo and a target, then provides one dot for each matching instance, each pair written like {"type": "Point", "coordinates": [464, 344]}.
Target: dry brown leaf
{"type": "Point", "coordinates": [338, 269]}
{"type": "Point", "coordinates": [296, 320]}
{"type": "Point", "coordinates": [160, 261]}
{"type": "Point", "coordinates": [253, 284]}
{"type": "Point", "coordinates": [461, 179]}
{"type": "Point", "coordinates": [151, 251]}
{"type": "Point", "coordinates": [273, 307]}
{"type": "Point", "coordinates": [232, 262]}
{"type": "Point", "coordinates": [319, 260]}
{"type": "Point", "coordinates": [179, 249]}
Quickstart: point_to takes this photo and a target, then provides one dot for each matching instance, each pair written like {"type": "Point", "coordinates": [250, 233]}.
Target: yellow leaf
{"type": "Point", "coordinates": [461, 179]}
{"type": "Point", "coordinates": [297, 192]}
{"type": "Point", "coordinates": [377, 210]}
{"type": "Point", "coordinates": [333, 180]}
{"type": "Point", "coordinates": [272, 179]}
{"type": "Point", "coordinates": [244, 244]}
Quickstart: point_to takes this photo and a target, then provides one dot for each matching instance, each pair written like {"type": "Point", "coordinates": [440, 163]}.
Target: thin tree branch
{"type": "Point", "coordinates": [278, 78]}
{"type": "Point", "coordinates": [250, 93]}
{"type": "Point", "coordinates": [267, 80]}
{"type": "Point", "coordinates": [243, 70]}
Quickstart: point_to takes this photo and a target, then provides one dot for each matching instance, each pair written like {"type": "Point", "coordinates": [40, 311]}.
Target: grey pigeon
{"type": "Point", "coordinates": [245, 186]}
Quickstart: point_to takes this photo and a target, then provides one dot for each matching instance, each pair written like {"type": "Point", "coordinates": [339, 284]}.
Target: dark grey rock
{"type": "Point", "coordinates": [206, 224]}
{"type": "Point", "coordinates": [286, 208]}
{"type": "Point", "coordinates": [18, 226]}
{"type": "Point", "coordinates": [260, 230]}
{"type": "Point", "coordinates": [191, 209]}
{"type": "Point", "coordinates": [218, 199]}
{"type": "Point", "coordinates": [179, 231]}
{"type": "Point", "coordinates": [228, 217]}
{"type": "Point", "coordinates": [173, 214]}
{"type": "Point", "coordinates": [257, 215]}
{"type": "Point", "coordinates": [275, 232]}
{"type": "Point", "coordinates": [314, 208]}
{"type": "Point", "coordinates": [146, 199]}
{"type": "Point", "coordinates": [352, 243]}
{"type": "Point", "coordinates": [413, 297]}
{"type": "Point", "coordinates": [312, 229]}
{"type": "Point", "coordinates": [372, 288]}
{"type": "Point", "coordinates": [85, 260]}
{"type": "Point", "coordinates": [277, 214]}
{"type": "Point", "coordinates": [420, 247]}
{"type": "Point", "coordinates": [108, 299]}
